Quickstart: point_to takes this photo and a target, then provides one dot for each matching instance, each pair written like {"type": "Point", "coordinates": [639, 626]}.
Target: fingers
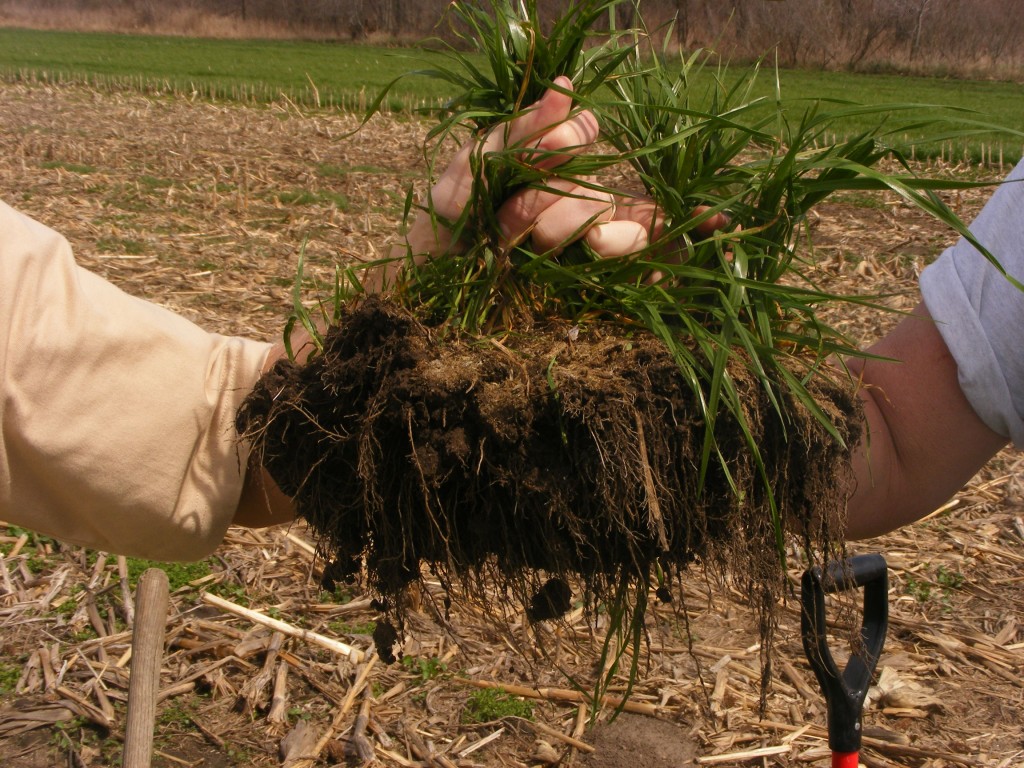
{"type": "Point", "coordinates": [548, 131]}
{"type": "Point", "coordinates": [551, 109]}
{"type": "Point", "coordinates": [570, 218]}
{"type": "Point", "coordinates": [518, 216]}
{"type": "Point", "coordinates": [554, 215]}
{"type": "Point", "coordinates": [642, 211]}
{"type": "Point", "coordinates": [615, 239]}
{"type": "Point", "coordinates": [613, 226]}
{"type": "Point", "coordinates": [714, 223]}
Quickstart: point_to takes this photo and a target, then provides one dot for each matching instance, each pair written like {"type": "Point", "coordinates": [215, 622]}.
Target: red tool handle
{"type": "Point", "coordinates": [845, 759]}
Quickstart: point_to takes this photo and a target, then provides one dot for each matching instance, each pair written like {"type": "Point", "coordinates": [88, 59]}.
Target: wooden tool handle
{"type": "Point", "coordinates": [151, 598]}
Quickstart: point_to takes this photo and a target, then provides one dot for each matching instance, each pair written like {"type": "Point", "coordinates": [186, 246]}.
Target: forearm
{"type": "Point", "coordinates": [922, 439]}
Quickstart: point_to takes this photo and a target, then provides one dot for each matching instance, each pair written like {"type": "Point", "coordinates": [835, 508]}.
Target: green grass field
{"type": "Point", "coordinates": [349, 76]}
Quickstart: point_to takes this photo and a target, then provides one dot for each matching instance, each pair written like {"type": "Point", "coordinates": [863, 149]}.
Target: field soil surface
{"type": "Point", "coordinates": [204, 208]}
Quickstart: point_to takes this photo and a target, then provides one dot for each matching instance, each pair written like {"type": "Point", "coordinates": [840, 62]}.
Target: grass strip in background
{"type": "Point", "coordinates": [348, 76]}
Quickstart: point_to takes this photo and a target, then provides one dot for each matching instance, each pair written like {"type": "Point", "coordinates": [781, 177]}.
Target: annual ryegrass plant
{"type": "Point", "coordinates": [748, 292]}
{"type": "Point", "coordinates": [737, 306]}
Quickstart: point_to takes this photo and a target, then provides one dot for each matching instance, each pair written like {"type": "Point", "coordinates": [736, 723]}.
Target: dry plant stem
{"type": "Point", "coordinates": [303, 634]}
{"type": "Point", "coordinates": [649, 486]}
{"type": "Point", "coordinates": [749, 754]}
{"type": "Point", "coordinates": [481, 743]}
{"type": "Point", "coordinates": [254, 689]}
{"type": "Point", "coordinates": [343, 710]}
{"type": "Point", "coordinates": [358, 744]}
{"type": "Point", "coordinates": [565, 696]}
{"type": "Point", "coordinates": [556, 734]}
{"type": "Point", "coordinates": [148, 644]}
{"type": "Point", "coordinates": [279, 701]}
{"type": "Point", "coordinates": [424, 752]}
{"type": "Point", "coordinates": [86, 709]}
{"type": "Point", "coordinates": [126, 590]}
{"type": "Point", "coordinates": [798, 680]}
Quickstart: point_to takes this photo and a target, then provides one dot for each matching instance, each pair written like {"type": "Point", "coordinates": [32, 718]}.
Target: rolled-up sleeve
{"type": "Point", "coordinates": [980, 313]}
{"type": "Point", "coordinates": [117, 415]}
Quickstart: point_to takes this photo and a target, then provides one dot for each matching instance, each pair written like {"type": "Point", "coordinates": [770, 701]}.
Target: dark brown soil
{"type": "Point", "coordinates": [534, 456]}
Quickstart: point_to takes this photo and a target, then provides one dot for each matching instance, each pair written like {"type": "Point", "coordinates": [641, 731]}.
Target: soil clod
{"type": "Point", "coordinates": [505, 462]}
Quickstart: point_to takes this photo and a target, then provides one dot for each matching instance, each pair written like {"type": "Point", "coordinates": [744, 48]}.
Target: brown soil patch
{"type": "Point", "coordinates": [630, 740]}
{"type": "Point", "coordinates": [191, 205]}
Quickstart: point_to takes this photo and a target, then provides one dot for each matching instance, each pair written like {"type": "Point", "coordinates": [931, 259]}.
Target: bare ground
{"type": "Point", "coordinates": [204, 208]}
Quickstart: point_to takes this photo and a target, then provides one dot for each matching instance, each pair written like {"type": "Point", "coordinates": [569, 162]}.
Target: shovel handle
{"type": "Point", "coordinates": [845, 691]}
{"type": "Point", "coordinates": [151, 603]}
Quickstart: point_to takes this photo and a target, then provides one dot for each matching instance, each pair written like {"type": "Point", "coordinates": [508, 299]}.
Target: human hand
{"type": "Point", "coordinates": [558, 212]}
{"type": "Point", "coordinates": [548, 132]}
{"type": "Point", "coordinates": [565, 212]}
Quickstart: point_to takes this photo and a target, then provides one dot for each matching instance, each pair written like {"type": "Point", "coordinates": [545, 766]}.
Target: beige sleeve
{"type": "Point", "coordinates": [117, 415]}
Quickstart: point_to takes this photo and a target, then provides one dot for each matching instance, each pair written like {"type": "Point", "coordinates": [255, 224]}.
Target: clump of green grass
{"type": "Point", "coordinates": [124, 245]}
{"type": "Point", "coordinates": [489, 704]}
{"type": "Point", "coordinates": [424, 668]}
{"type": "Point", "coordinates": [352, 628]}
{"type": "Point", "coordinates": [746, 295]}
{"type": "Point", "coordinates": [310, 197]}
{"type": "Point", "coordinates": [178, 574]}
{"type": "Point", "coordinates": [79, 168]}
{"type": "Point", "coordinates": [744, 299]}
{"type": "Point", "coordinates": [9, 676]}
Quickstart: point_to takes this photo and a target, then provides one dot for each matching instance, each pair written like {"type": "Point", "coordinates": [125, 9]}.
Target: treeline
{"type": "Point", "coordinates": [949, 37]}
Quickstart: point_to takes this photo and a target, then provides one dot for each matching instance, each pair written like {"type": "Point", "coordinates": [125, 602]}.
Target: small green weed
{"type": "Point", "coordinates": [424, 669]}
{"type": "Point", "coordinates": [352, 628]}
{"type": "Point", "coordinates": [178, 574]}
{"type": "Point", "coordinates": [175, 715]}
{"type": "Point", "coordinates": [861, 200]}
{"type": "Point", "coordinates": [240, 755]}
{"type": "Point", "coordinates": [331, 171]}
{"type": "Point", "coordinates": [9, 676]}
{"type": "Point", "coordinates": [489, 704]}
{"type": "Point", "coordinates": [920, 590]}
{"type": "Point", "coordinates": [308, 197]}
{"type": "Point", "coordinates": [121, 245]}
{"type": "Point", "coordinates": [370, 169]}
{"type": "Point", "coordinates": [940, 590]}
{"type": "Point", "coordinates": [59, 734]}
{"type": "Point", "coordinates": [950, 581]}
{"type": "Point", "coordinates": [153, 182]}
{"type": "Point", "coordinates": [70, 167]}
{"type": "Point", "coordinates": [35, 540]}
{"type": "Point", "coordinates": [84, 634]}
{"type": "Point", "coordinates": [233, 592]}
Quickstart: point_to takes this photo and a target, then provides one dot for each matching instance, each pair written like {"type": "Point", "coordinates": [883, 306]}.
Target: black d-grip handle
{"type": "Point", "coordinates": [845, 692]}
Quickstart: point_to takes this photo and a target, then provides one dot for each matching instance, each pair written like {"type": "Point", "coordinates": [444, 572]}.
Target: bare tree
{"type": "Point", "coordinates": [920, 12]}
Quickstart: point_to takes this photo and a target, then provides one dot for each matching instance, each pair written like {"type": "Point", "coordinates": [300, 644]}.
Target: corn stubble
{"type": "Point", "coordinates": [518, 421]}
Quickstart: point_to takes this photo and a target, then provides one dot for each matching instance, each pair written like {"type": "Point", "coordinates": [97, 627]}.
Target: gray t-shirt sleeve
{"type": "Point", "coordinates": [980, 313]}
